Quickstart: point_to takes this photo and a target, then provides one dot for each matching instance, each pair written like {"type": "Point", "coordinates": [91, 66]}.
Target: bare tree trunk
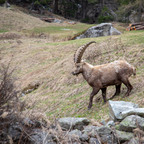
{"type": "Point", "coordinates": [84, 5]}
{"type": "Point", "coordinates": [55, 6]}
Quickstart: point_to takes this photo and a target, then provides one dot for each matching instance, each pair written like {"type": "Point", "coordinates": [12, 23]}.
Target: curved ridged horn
{"type": "Point", "coordinates": [79, 53]}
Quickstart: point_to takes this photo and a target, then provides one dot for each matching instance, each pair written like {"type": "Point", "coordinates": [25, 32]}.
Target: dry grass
{"type": "Point", "coordinates": [50, 64]}
{"type": "Point", "coordinates": [39, 60]}
{"type": "Point", "coordinates": [13, 19]}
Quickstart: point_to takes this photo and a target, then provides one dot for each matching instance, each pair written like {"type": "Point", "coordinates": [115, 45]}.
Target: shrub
{"type": "Point", "coordinates": [125, 2]}
{"type": "Point", "coordinates": [2, 1]}
{"type": "Point", "coordinates": [105, 15]}
{"type": "Point", "coordinates": [7, 85]}
{"type": "Point", "coordinates": [105, 18]}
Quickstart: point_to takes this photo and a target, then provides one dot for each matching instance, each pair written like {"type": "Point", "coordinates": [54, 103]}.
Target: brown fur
{"type": "Point", "coordinates": [101, 76]}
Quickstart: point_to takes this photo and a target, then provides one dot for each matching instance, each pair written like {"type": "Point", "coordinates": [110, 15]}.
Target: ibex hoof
{"type": "Point", "coordinates": [89, 108]}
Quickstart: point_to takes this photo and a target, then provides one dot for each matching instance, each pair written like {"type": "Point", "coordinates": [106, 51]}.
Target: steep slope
{"type": "Point", "coordinates": [49, 64]}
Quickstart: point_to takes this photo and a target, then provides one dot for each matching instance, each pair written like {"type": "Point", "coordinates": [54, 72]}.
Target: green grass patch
{"type": "Point", "coordinates": [61, 31]}
{"type": "Point", "coordinates": [3, 30]}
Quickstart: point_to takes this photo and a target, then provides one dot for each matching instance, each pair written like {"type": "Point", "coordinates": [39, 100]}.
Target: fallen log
{"type": "Point", "coordinates": [48, 19]}
{"type": "Point", "coordinates": [135, 26]}
{"type": "Point", "coordinates": [140, 28]}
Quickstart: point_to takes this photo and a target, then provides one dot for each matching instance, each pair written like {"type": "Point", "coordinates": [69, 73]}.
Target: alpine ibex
{"type": "Point", "coordinates": [101, 76]}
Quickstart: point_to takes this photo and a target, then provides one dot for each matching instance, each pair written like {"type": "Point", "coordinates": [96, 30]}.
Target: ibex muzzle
{"type": "Point", "coordinates": [101, 76]}
{"type": "Point", "coordinates": [79, 69]}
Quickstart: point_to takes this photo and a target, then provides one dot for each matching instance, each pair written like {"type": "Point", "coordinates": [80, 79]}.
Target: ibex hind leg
{"type": "Point", "coordinates": [94, 92]}
{"type": "Point", "coordinates": [118, 90]}
{"type": "Point", "coordinates": [104, 94]}
{"type": "Point", "coordinates": [128, 85]}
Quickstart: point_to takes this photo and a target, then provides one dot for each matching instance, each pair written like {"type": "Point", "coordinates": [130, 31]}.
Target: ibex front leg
{"type": "Point", "coordinates": [94, 92]}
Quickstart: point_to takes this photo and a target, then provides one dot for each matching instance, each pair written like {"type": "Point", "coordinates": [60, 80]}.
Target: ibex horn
{"type": "Point", "coordinates": [79, 53]}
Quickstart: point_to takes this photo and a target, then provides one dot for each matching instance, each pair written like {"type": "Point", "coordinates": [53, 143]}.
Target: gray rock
{"type": "Point", "coordinates": [57, 21]}
{"type": "Point", "coordinates": [103, 122]}
{"type": "Point", "coordinates": [110, 123]}
{"type": "Point", "coordinates": [131, 122]}
{"type": "Point", "coordinates": [76, 132]}
{"type": "Point", "coordinates": [136, 111]}
{"type": "Point", "coordinates": [104, 130]}
{"type": "Point", "coordinates": [39, 136]}
{"type": "Point", "coordinates": [103, 29]}
{"type": "Point", "coordinates": [84, 137]}
{"type": "Point", "coordinates": [118, 110]}
{"type": "Point", "coordinates": [114, 31]}
{"type": "Point", "coordinates": [133, 141]}
{"type": "Point", "coordinates": [90, 130]}
{"type": "Point", "coordinates": [73, 123]}
{"type": "Point", "coordinates": [79, 135]}
{"type": "Point", "coordinates": [124, 136]}
{"type": "Point", "coordinates": [105, 134]}
{"type": "Point", "coordinates": [15, 131]}
{"type": "Point", "coordinates": [93, 141]}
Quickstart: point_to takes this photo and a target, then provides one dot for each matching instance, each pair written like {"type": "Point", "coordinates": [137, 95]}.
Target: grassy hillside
{"type": "Point", "coordinates": [43, 57]}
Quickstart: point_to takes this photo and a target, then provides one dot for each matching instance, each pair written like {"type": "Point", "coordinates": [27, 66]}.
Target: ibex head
{"type": "Point", "coordinates": [77, 58]}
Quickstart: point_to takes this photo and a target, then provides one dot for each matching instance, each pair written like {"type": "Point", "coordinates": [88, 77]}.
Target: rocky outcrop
{"type": "Point", "coordinates": [103, 29]}
{"type": "Point", "coordinates": [76, 130]}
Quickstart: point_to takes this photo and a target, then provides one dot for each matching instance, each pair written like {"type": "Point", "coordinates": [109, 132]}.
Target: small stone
{"type": "Point", "coordinates": [93, 141]}
{"type": "Point", "coordinates": [124, 136]}
{"type": "Point", "coordinates": [73, 123]}
{"type": "Point", "coordinates": [90, 130]}
{"type": "Point", "coordinates": [84, 137]}
{"type": "Point", "coordinates": [105, 134]}
{"type": "Point", "coordinates": [76, 132]}
{"type": "Point", "coordinates": [110, 123]}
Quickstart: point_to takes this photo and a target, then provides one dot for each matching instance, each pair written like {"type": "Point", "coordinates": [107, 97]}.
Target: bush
{"type": "Point", "coordinates": [105, 18]}
{"type": "Point", "coordinates": [7, 86]}
{"type": "Point", "coordinates": [125, 2]}
{"type": "Point", "coordinates": [2, 1]}
{"type": "Point", "coordinates": [105, 15]}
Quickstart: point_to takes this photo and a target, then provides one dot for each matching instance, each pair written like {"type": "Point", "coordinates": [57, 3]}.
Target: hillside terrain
{"type": "Point", "coordinates": [43, 56]}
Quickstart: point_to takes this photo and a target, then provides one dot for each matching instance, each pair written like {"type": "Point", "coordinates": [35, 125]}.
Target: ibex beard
{"type": "Point", "coordinates": [99, 77]}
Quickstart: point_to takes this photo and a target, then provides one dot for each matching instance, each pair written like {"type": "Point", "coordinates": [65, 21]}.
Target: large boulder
{"type": "Point", "coordinates": [68, 123]}
{"type": "Point", "coordinates": [103, 29]}
{"type": "Point", "coordinates": [118, 110]}
{"type": "Point", "coordinates": [131, 122]}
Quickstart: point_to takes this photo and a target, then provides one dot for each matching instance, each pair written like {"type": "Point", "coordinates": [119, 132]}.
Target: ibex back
{"type": "Point", "coordinates": [101, 76]}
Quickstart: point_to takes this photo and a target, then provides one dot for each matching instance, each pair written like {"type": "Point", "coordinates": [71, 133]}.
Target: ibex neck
{"type": "Point", "coordinates": [87, 69]}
